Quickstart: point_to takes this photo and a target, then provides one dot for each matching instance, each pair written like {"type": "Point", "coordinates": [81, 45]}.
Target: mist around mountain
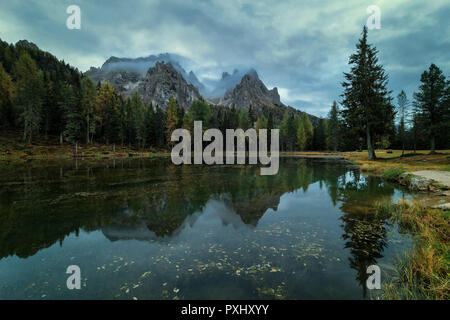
{"type": "Point", "coordinates": [139, 67]}
{"type": "Point", "coordinates": [218, 88]}
{"type": "Point", "coordinates": [154, 78]}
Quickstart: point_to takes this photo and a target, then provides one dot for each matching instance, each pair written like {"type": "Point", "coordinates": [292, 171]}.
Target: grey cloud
{"type": "Point", "coordinates": [301, 47]}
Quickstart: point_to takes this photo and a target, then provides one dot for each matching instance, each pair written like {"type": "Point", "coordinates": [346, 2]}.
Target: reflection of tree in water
{"type": "Point", "coordinates": [42, 205]}
{"type": "Point", "coordinates": [138, 199]}
{"type": "Point", "coordinates": [365, 233]}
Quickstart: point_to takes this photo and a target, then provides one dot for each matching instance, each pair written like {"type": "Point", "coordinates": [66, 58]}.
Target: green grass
{"type": "Point", "coordinates": [392, 173]}
{"type": "Point", "coordinates": [423, 273]}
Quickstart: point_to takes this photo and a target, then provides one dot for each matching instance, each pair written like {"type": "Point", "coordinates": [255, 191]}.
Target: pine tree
{"type": "Point", "coordinates": [233, 118]}
{"type": "Point", "coordinates": [430, 103]}
{"type": "Point", "coordinates": [6, 99]}
{"type": "Point", "coordinates": [289, 130]}
{"type": "Point", "coordinates": [319, 135]}
{"type": "Point", "coordinates": [334, 127]}
{"type": "Point", "coordinates": [29, 94]}
{"type": "Point", "coordinates": [270, 125]}
{"type": "Point", "coordinates": [149, 124]}
{"type": "Point", "coordinates": [402, 102]}
{"type": "Point", "coordinates": [73, 129]}
{"type": "Point", "coordinates": [159, 125]}
{"type": "Point", "coordinates": [107, 113]}
{"type": "Point", "coordinates": [88, 97]}
{"type": "Point", "coordinates": [139, 119]}
{"type": "Point", "coordinates": [261, 123]}
{"type": "Point", "coordinates": [367, 107]}
{"type": "Point", "coordinates": [172, 119]}
{"type": "Point", "coordinates": [252, 115]}
{"type": "Point", "coordinates": [244, 120]}
{"type": "Point", "coordinates": [301, 136]}
{"type": "Point", "coordinates": [129, 129]}
{"type": "Point", "coordinates": [308, 130]}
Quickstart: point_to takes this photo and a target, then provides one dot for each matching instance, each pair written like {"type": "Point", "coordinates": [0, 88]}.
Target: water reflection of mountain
{"type": "Point", "coordinates": [153, 200]}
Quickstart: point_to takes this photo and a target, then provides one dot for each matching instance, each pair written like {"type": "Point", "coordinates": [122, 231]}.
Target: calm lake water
{"type": "Point", "coordinates": [146, 229]}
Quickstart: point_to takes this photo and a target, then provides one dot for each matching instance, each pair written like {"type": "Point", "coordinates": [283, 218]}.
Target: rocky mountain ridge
{"type": "Point", "coordinates": [162, 82]}
{"type": "Point", "coordinates": [251, 91]}
{"type": "Point", "coordinates": [165, 79]}
{"type": "Point", "coordinates": [115, 67]}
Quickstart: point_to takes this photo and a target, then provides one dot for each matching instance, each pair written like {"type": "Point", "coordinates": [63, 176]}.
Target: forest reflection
{"type": "Point", "coordinates": [152, 200]}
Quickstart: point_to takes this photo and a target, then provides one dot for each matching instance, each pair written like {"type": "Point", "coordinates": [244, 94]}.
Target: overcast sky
{"type": "Point", "coordinates": [301, 47]}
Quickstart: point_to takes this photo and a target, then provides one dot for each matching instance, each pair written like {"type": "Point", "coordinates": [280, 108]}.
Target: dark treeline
{"type": "Point", "coordinates": [41, 95]}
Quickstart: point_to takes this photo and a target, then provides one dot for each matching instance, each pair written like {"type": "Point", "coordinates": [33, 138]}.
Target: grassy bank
{"type": "Point", "coordinates": [393, 164]}
{"type": "Point", "coordinates": [424, 273]}
{"type": "Point", "coordinates": [12, 147]}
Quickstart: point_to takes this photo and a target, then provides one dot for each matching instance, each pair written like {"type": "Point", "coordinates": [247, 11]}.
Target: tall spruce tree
{"type": "Point", "coordinates": [6, 99]}
{"type": "Point", "coordinates": [309, 131]}
{"type": "Point", "coordinates": [29, 94]}
{"type": "Point", "coordinates": [159, 123]}
{"type": "Point", "coordinates": [430, 102]}
{"type": "Point", "coordinates": [333, 127]}
{"type": "Point", "coordinates": [73, 129]}
{"type": "Point", "coordinates": [367, 107]}
{"type": "Point", "coordinates": [402, 102]}
{"type": "Point", "coordinates": [88, 93]}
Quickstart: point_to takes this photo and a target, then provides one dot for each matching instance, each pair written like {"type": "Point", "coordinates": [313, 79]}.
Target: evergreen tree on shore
{"type": "Point", "coordinates": [431, 104]}
{"type": "Point", "coordinates": [6, 99]}
{"type": "Point", "coordinates": [367, 107]}
{"type": "Point", "coordinates": [29, 93]}
{"type": "Point", "coordinates": [402, 102]}
{"type": "Point", "coordinates": [334, 127]}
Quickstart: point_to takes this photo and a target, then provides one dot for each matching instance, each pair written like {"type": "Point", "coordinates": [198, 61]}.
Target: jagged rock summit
{"type": "Point", "coordinates": [163, 81]}
{"type": "Point", "coordinates": [121, 69]}
{"type": "Point", "coordinates": [156, 78]}
{"type": "Point", "coordinates": [250, 91]}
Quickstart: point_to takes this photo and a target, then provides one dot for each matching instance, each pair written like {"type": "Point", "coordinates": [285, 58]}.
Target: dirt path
{"type": "Point", "coordinates": [441, 177]}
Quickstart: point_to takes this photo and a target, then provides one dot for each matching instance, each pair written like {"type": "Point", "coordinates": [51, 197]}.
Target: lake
{"type": "Point", "coordinates": [147, 229]}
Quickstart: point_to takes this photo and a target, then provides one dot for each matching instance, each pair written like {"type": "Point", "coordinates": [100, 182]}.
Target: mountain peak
{"type": "Point", "coordinates": [162, 82]}
{"type": "Point", "coordinates": [252, 73]}
{"type": "Point", "coordinates": [251, 91]}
